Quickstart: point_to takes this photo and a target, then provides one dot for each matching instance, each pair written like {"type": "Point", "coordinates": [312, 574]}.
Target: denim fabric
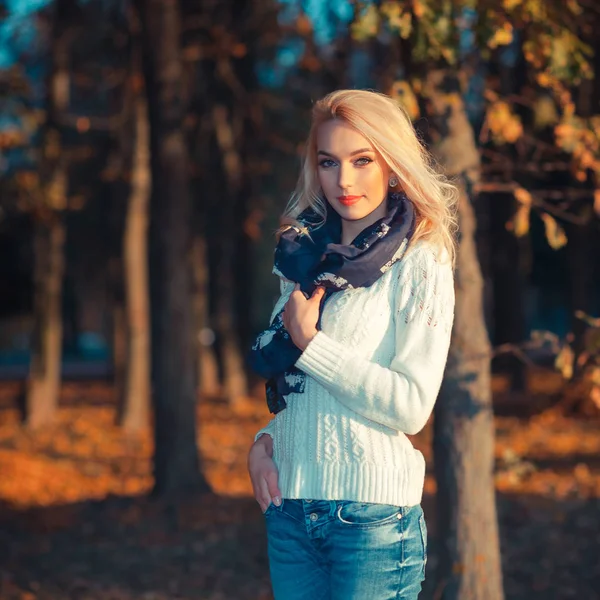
{"type": "Point", "coordinates": [343, 550]}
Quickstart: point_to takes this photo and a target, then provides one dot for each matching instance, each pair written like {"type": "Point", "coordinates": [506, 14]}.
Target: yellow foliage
{"type": "Point", "coordinates": [523, 197]}
{"type": "Point", "coordinates": [564, 361]}
{"type": "Point", "coordinates": [581, 139]}
{"type": "Point", "coordinates": [545, 113]}
{"type": "Point", "coordinates": [519, 224]}
{"type": "Point", "coordinates": [554, 232]}
{"type": "Point", "coordinates": [367, 24]}
{"type": "Point", "coordinates": [502, 36]}
{"type": "Point", "coordinates": [397, 18]}
{"type": "Point", "coordinates": [418, 8]}
{"type": "Point", "coordinates": [403, 93]}
{"type": "Point", "coordinates": [504, 126]}
{"type": "Point", "coordinates": [510, 5]}
{"type": "Point", "coordinates": [544, 79]}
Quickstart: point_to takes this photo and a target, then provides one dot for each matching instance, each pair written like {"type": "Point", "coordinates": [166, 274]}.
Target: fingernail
{"type": "Point", "coordinates": [277, 500]}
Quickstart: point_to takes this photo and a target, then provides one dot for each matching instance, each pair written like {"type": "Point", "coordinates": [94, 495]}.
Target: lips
{"type": "Point", "coordinates": [349, 200]}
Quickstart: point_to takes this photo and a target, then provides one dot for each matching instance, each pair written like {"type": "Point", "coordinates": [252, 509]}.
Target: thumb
{"type": "Point", "coordinates": [318, 294]}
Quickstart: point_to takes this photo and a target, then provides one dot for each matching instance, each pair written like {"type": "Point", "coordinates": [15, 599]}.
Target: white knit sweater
{"type": "Point", "coordinates": [374, 372]}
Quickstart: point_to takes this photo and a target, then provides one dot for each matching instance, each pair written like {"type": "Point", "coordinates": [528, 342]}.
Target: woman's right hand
{"type": "Point", "coordinates": [263, 472]}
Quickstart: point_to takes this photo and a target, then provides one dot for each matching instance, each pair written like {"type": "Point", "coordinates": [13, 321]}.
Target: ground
{"type": "Point", "coordinates": [75, 521]}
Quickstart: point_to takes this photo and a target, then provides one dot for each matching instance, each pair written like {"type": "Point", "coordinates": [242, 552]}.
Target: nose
{"type": "Point", "coordinates": [345, 177]}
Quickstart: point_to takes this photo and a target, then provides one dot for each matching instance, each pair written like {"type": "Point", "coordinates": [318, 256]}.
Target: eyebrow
{"type": "Point", "coordinates": [359, 151]}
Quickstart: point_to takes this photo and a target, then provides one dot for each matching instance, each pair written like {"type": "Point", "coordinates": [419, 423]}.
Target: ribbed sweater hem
{"type": "Point", "coordinates": [356, 482]}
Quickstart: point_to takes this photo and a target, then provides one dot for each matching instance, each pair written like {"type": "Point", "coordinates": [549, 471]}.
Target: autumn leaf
{"type": "Point", "coordinates": [554, 232]}
{"type": "Point", "coordinates": [397, 19]}
{"type": "Point", "coordinates": [564, 361]}
{"type": "Point", "coordinates": [403, 93]}
{"type": "Point", "coordinates": [519, 224]}
{"type": "Point", "coordinates": [523, 196]}
{"type": "Point", "coordinates": [545, 113]}
{"type": "Point", "coordinates": [503, 124]}
{"type": "Point", "coordinates": [367, 24]}
{"type": "Point", "coordinates": [502, 36]}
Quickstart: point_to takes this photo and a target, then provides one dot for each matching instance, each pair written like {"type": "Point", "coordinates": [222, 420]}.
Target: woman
{"type": "Point", "coordinates": [354, 356]}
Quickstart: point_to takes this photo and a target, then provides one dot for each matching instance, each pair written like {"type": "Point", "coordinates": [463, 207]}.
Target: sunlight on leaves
{"type": "Point", "coordinates": [554, 232]}
{"type": "Point", "coordinates": [564, 361]}
{"type": "Point", "coordinates": [502, 36]}
{"type": "Point", "coordinates": [503, 124]}
{"type": "Point", "coordinates": [519, 224]}
{"type": "Point", "coordinates": [367, 24]}
{"type": "Point", "coordinates": [403, 93]}
{"type": "Point", "coordinates": [397, 19]}
{"type": "Point", "coordinates": [545, 113]}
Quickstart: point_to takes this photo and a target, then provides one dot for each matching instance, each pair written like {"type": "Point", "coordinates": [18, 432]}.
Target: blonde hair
{"type": "Point", "coordinates": [382, 121]}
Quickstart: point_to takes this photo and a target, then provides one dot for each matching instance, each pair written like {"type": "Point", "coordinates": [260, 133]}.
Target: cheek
{"type": "Point", "coordinates": [326, 178]}
{"type": "Point", "coordinates": [373, 179]}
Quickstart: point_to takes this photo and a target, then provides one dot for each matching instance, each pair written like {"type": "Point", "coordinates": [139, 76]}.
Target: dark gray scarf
{"type": "Point", "coordinates": [311, 256]}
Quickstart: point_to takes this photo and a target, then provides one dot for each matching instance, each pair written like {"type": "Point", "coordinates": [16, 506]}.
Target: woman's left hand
{"type": "Point", "coordinates": [301, 315]}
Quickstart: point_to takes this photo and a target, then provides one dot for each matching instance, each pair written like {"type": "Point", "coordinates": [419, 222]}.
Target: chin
{"type": "Point", "coordinates": [352, 213]}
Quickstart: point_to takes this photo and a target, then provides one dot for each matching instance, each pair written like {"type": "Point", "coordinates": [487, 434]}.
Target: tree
{"type": "Point", "coordinates": [439, 41]}
{"type": "Point", "coordinates": [43, 382]}
{"type": "Point", "coordinates": [135, 390]}
{"type": "Point", "coordinates": [176, 464]}
{"type": "Point", "coordinates": [469, 565]}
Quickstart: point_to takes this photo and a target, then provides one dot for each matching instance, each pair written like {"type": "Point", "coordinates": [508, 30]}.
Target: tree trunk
{"type": "Point", "coordinates": [42, 388]}
{"type": "Point", "coordinates": [207, 361]}
{"type": "Point", "coordinates": [176, 462]}
{"type": "Point", "coordinates": [43, 384]}
{"type": "Point", "coordinates": [234, 372]}
{"type": "Point", "coordinates": [136, 392]}
{"type": "Point", "coordinates": [469, 567]}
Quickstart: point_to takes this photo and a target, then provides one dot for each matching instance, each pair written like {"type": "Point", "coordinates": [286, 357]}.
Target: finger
{"type": "Point", "coordinates": [272, 478]}
{"type": "Point", "coordinates": [264, 499]}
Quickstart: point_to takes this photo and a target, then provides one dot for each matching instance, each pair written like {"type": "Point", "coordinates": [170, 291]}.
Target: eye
{"type": "Point", "coordinates": [327, 162]}
{"type": "Point", "coordinates": [364, 160]}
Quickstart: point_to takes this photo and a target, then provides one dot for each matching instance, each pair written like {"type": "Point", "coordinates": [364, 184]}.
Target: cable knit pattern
{"type": "Point", "coordinates": [374, 372]}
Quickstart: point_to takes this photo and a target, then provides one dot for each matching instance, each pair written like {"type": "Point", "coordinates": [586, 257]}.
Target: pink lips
{"type": "Point", "coordinates": [349, 200]}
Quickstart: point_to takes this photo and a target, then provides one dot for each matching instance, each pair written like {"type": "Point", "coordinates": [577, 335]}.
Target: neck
{"type": "Point", "coordinates": [350, 229]}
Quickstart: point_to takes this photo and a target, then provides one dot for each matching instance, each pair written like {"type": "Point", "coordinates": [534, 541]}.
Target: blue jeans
{"type": "Point", "coordinates": [343, 550]}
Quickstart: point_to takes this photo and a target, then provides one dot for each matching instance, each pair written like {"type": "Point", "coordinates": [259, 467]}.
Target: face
{"type": "Point", "coordinates": [353, 177]}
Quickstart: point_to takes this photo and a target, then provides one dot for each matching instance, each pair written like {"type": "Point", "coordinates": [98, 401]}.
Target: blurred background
{"type": "Point", "coordinates": [147, 150]}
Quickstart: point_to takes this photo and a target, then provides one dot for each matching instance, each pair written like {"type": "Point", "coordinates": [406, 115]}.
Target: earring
{"type": "Point", "coordinates": [393, 181]}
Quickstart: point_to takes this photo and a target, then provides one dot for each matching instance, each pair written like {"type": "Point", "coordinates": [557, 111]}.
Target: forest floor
{"type": "Point", "coordinates": [76, 523]}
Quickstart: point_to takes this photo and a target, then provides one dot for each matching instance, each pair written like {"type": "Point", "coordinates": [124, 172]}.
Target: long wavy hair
{"type": "Point", "coordinates": [383, 122]}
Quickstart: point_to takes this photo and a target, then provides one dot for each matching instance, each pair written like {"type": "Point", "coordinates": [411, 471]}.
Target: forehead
{"type": "Point", "coordinates": [338, 137]}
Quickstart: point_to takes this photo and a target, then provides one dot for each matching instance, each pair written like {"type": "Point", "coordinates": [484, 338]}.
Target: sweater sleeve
{"type": "Point", "coordinates": [402, 395]}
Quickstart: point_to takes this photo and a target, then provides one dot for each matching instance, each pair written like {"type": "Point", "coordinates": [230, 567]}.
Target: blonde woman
{"type": "Point", "coordinates": [354, 356]}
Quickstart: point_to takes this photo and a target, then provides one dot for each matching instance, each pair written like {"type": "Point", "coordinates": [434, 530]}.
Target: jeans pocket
{"type": "Point", "coordinates": [269, 509]}
{"type": "Point", "coordinates": [364, 515]}
{"type": "Point", "coordinates": [423, 529]}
